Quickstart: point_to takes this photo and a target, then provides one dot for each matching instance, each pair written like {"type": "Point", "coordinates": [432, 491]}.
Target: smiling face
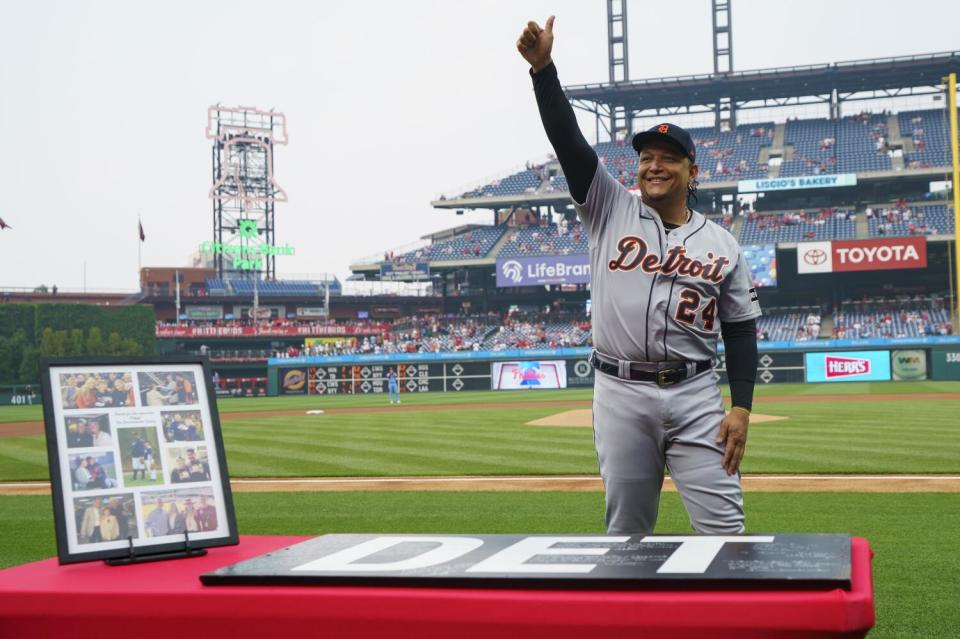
{"type": "Point", "coordinates": [664, 173]}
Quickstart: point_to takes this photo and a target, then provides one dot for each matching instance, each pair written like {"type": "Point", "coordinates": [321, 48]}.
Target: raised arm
{"type": "Point", "coordinates": [578, 159]}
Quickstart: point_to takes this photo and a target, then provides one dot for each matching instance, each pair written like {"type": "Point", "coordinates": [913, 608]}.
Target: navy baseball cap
{"type": "Point", "coordinates": [669, 133]}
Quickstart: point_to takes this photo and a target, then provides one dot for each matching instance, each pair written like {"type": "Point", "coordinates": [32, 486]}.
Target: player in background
{"type": "Point", "coordinates": [393, 386]}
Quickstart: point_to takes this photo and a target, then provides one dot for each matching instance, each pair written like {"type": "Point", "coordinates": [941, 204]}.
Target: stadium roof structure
{"type": "Point", "coordinates": [831, 84]}
{"type": "Point", "coordinates": [777, 87]}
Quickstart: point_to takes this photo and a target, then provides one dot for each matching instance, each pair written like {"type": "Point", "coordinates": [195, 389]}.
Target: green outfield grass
{"type": "Point", "coordinates": [35, 413]}
{"type": "Point", "coordinates": [844, 436]}
{"type": "Point", "coordinates": [912, 535]}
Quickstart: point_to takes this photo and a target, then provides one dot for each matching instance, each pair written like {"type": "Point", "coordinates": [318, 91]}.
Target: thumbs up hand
{"type": "Point", "coordinates": [536, 44]}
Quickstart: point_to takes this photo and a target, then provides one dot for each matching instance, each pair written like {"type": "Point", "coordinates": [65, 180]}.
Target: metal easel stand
{"type": "Point", "coordinates": [133, 558]}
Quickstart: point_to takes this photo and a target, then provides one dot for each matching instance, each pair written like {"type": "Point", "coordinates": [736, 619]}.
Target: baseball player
{"type": "Point", "coordinates": [393, 386]}
{"type": "Point", "coordinates": [666, 282]}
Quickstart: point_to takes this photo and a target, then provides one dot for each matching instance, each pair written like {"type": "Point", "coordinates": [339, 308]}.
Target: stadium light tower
{"type": "Point", "coordinates": [244, 190]}
{"type": "Point", "coordinates": [617, 52]}
{"type": "Point", "coordinates": [620, 117]}
{"type": "Point", "coordinates": [723, 57]}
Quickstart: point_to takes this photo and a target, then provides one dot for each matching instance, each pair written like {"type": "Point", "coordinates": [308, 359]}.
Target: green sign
{"type": "Point", "coordinates": [945, 363]}
{"type": "Point", "coordinates": [204, 312]}
{"type": "Point", "coordinates": [246, 257]}
{"type": "Point", "coordinates": [19, 395]}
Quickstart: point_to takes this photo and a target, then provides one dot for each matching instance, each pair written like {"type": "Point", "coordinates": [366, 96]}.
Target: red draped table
{"type": "Point", "coordinates": [166, 599]}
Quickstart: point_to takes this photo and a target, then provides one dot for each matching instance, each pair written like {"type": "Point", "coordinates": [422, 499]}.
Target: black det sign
{"type": "Point", "coordinates": [552, 561]}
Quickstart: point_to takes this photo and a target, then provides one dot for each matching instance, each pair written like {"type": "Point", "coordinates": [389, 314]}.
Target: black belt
{"type": "Point", "coordinates": [662, 377]}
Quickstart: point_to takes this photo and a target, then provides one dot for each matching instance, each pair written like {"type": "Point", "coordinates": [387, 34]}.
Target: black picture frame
{"type": "Point", "coordinates": [59, 451]}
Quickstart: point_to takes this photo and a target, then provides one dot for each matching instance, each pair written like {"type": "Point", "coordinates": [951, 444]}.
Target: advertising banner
{"type": "Point", "coordinates": [529, 375]}
{"type": "Point", "coordinates": [909, 365]}
{"type": "Point", "coordinates": [945, 363]}
{"type": "Point", "coordinates": [311, 311]}
{"type": "Point", "coordinates": [544, 269]}
{"type": "Point", "coordinates": [405, 271]}
{"type": "Point", "coordinates": [814, 257]}
{"type": "Point", "coordinates": [204, 312]}
{"type": "Point", "coordinates": [265, 331]}
{"type": "Point", "coordinates": [293, 381]}
{"type": "Point", "coordinates": [799, 182]}
{"type": "Point", "coordinates": [848, 366]}
{"type": "Point", "coordinates": [862, 255]}
{"type": "Point", "coordinates": [877, 255]}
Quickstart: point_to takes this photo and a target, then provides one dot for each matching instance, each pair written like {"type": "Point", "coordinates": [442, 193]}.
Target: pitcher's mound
{"type": "Point", "coordinates": [583, 418]}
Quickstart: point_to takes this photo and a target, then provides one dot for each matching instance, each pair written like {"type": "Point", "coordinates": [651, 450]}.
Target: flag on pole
{"type": "Point", "coordinates": [142, 236]}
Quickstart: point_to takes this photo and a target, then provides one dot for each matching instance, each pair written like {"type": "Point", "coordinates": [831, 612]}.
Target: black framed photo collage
{"type": "Point", "coordinates": [136, 457]}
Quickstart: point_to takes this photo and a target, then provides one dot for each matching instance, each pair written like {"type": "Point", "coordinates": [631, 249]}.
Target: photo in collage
{"type": "Point", "coordinates": [140, 441]}
{"type": "Point", "coordinates": [93, 471]}
{"type": "Point", "coordinates": [88, 431]}
{"type": "Point", "coordinates": [167, 389]}
{"type": "Point", "coordinates": [182, 426]}
{"type": "Point", "coordinates": [188, 464]}
{"type": "Point", "coordinates": [105, 518]}
{"type": "Point", "coordinates": [140, 456]}
{"type": "Point", "coordinates": [171, 512]}
{"type": "Point", "coordinates": [97, 390]}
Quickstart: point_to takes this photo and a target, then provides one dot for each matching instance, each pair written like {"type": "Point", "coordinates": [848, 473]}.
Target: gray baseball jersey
{"type": "Point", "coordinates": [657, 297]}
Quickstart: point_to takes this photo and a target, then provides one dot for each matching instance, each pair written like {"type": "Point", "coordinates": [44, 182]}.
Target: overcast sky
{"type": "Point", "coordinates": [103, 108]}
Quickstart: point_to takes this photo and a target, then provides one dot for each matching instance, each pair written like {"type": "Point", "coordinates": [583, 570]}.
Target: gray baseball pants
{"type": "Point", "coordinates": [639, 428]}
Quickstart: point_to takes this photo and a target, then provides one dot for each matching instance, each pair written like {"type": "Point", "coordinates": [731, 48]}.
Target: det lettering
{"type": "Point", "coordinates": [692, 556]}
{"type": "Point", "coordinates": [846, 366]}
{"type": "Point", "coordinates": [634, 253]}
{"type": "Point", "coordinates": [872, 254]}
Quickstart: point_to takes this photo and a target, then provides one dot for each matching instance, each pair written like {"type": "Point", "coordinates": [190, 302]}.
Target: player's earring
{"type": "Point", "coordinates": [692, 199]}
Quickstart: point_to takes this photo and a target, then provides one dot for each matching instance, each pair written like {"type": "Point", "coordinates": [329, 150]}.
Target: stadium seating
{"type": "Point", "coordinates": [793, 325]}
{"type": "Point", "coordinates": [545, 240]}
{"type": "Point", "coordinates": [732, 155]}
{"type": "Point", "coordinates": [558, 183]}
{"type": "Point", "coordinates": [799, 226]}
{"type": "Point", "coordinates": [728, 155]}
{"type": "Point", "coordinates": [858, 138]}
{"type": "Point", "coordinates": [473, 244]}
{"type": "Point", "coordinates": [268, 288]}
{"type": "Point", "coordinates": [536, 334]}
{"type": "Point", "coordinates": [526, 181]}
{"type": "Point", "coordinates": [902, 219]}
{"type": "Point", "coordinates": [884, 319]}
{"type": "Point", "coordinates": [216, 286]}
{"type": "Point", "coordinates": [929, 132]}
{"type": "Point", "coordinates": [848, 145]}
{"type": "Point", "coordinates": [853, 144]}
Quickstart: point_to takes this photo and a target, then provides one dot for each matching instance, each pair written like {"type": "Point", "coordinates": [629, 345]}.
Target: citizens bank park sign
{"type": "Point", "coordinates": [545, 269]}
{"type": "Point", "coordinates": [862, 255]}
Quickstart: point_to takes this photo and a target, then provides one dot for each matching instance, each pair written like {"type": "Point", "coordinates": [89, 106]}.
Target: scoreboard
{"type": "Point", "coordinates": [414, 377]}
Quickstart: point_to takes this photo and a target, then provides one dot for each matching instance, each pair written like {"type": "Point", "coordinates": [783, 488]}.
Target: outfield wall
{"type": "Point", "coordinates": [827, 361]}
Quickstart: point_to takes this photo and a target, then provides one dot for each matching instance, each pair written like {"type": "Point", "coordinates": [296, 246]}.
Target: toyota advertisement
{"type": "Point", "coordinates": [862, 255]}
{"type": "Point", "coordinates": [848, 366]}
{"type": "Point", "coordinates": [544, 269]}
